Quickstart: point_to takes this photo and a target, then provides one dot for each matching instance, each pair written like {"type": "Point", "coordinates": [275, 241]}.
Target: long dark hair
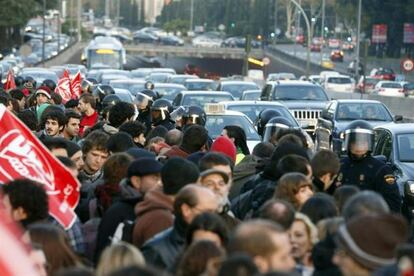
{"type": "Point", "coordinates": [239, 136]}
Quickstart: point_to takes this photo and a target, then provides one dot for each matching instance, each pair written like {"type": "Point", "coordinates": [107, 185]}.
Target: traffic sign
{"type": "Point", "coordinates": [266, 61]}
{"type": "Point", "coordinates": [407, 65]}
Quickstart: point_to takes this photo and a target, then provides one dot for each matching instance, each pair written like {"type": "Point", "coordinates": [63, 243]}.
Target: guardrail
{"type": "Point", "coordinates": [295, 62]}
{"type": "Point", "coordinates": [190, 51]}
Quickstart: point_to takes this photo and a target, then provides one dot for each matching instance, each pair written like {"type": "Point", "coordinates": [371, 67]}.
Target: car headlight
{"type": "Point", "coordinates": [342, 135]}
{"type": "Point", "coordinates": [410, 184]}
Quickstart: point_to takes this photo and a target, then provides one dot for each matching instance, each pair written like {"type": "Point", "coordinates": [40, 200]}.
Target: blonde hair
{"type": "Point", "coordinates": [310, 227]}
{"type": "Point", "coordinates": [117, 256]}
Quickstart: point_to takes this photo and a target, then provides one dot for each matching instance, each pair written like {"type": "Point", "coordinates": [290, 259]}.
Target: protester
{"type": "Point", "coordinates": [325, 167]}
{"type": "Point", "coordinates": [162, 250]}
{"type": "Point", "coordinates": [194, 139]}
{"type": "Point", "coordinates": [136, 130]}
{"type": "Point", "coordinates": [156, 212]}
{"type": "Point", "coordinates": [238, 136]}
{"type": "Point", "coordinates": [294, 188]}
{"type": "Point", "coordinates": [118, 256]}
{"type": "Point", "coordinates": [26, 201]}
{"type": "Point", "coordinates": [208, 226]}
{"type": "Point", "coordinates": [278, 210]}
{"type": "Point", "coordinates": [87, 106]}
{"type": "Point", "coordinates": [54, 243]}
{"type": "Point", "coordinates": [72, 126]}
{"type": "Point", "coordinates": [318, 207]}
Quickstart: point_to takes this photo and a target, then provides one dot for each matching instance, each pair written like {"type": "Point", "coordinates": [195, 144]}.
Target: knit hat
{"type": "Point", "coordinates": [144, 166]}
{"type": "Point", "coordinates": [215, 171]}
{"type": "Point", "coordinates": [138, 153]}
{"type": "Point", "coordinates": [225, 146]}
{"type": "Point", "coordinates": [72, 148]}
{"type": "Point", "coordinates": [371, 240]}
{"type": "Point", "coordinates": [43, 90]}
{"type": "Point", "coordinates": [177, 173]}
{"type": "Point", "coordinates": [40, 109]}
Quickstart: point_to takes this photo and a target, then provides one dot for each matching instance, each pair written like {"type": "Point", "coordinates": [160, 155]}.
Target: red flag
{"type": "Point", "coordinates": [13, 249]}
{"type": "Point", "coordinates": [75, 85]}
{"type": "Point", "coordinates": [63, 87]}
{"type": "Point", "coordinates": [9, 84]}
{"type": "Point", "coordinates": [22, 155]}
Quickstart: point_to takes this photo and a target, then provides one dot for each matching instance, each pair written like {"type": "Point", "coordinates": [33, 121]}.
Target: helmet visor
{"type": "Point", "coordinates": [359, 141]}
{"type": "Point", "coordinates": [142, 100]}
{"type": "Point", "coordinates": [178, 113]}
{"type": "Point", "coordinates": [271, 131]}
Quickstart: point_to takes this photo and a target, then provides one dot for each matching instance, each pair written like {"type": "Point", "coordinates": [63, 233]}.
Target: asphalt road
{"type": "Point", "coordinates": [301, 52]}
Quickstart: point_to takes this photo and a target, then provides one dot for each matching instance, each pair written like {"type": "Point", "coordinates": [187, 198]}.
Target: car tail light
{"type": "Point", "coordinates": [382, 89]}
{"type": "Point", "coordinates": [401, 90]}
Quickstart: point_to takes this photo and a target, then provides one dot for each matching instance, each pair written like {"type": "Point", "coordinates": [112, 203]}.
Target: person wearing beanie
{"type": "Point", "coordinates": [226, 146]}
{"type": "Point", "coordinates": [155, 213]}
{"type": "Point", "coordinates": [43, 95]}
{"type": "Point", "coordinates": [75, 154]}
{"type": "Point", "coordinates": [369, 242]}
{"type": "Point", "coordinates": [143, 175]}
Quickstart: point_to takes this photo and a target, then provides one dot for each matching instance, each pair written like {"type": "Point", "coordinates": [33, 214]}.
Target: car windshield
{"type": "Point", "coordinates": [406, 147]}
{"type": "Point", "coordinates": [362, 111]}
{"type": "Point", "coordinates": [391, 85]}
{"type": "Point", "coordinates": [371, 81]}
{"type": "Point", "coordinates": [409, 86]}
{"type": "Point", "coordinates": [133, 88]}
{"type": "Point", "coordinates": [252, 96]}
{"type": "Point", "coordinates": [216, 123]}
{"type": "Point", "coordinates": [211, 86]}
{"type": "Point", "coordinates": [340, 80]}
{"type": "Point", "coordinates": [201, 100]}
{"type": "Point", "coordinates": [252, 111]}
{"type": "Point", "coordinates": [237, 89]}
{"type": "Point", "coordinates": [300, 92]}
{"type": "Point", "coordinates": [169, 93]}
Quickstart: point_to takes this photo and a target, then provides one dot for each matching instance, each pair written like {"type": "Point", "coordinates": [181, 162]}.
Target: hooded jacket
{"type": "Point", "coordinates": [117, 213]}
{"type": "Point", "coordinates": [154, 214]}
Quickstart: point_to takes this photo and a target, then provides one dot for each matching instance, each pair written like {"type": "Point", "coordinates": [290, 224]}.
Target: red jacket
{"type": "Point", "coordinates": [87, 121]}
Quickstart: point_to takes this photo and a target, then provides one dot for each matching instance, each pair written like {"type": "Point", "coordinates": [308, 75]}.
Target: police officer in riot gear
{"type": "Point", "coordinates": [272, 128]}
{"type": "Point", "coordinates": [264, 116]}
{"type": "Point", "coordinates": [361, 169]}
{"type": "Point", "coordinates": [194, 115]}
{"type": "Point", "coordinates": [49, 83]}
{"type": "Point", "coordinates": [99, 92]}
{"type": "Point", "coordinates": [88, 85]}
{"type": "Point", "coordinates": [143, 101]}
{"type": "Point", "coordinates": [160, 114]}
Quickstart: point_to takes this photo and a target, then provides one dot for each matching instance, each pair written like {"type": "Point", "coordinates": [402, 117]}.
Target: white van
{"type": "Point", "coordinates": [339, 83]}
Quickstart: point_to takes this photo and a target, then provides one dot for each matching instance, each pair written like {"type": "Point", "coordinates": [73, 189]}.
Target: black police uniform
{"type": "Point", "coordinates": [167, 123]}
{"type": "Point", "coordinates": [370, 174]}
{"type": "Point", "coordinates": [145, 118]}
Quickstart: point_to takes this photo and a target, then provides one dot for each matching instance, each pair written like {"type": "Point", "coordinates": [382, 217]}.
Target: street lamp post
{"type": "Point", "coordinates": [309, 35]}
{"type": "Point", "coordinates": [44, 33]}
{"type": "Point", "coordinates": [358, 39]}
{"type": "Point", "coordinates": [79, 20]}
{"type": "Point", "coordinates": [322, 27]}
{"type": "Point", "coordinates": [191, 15]}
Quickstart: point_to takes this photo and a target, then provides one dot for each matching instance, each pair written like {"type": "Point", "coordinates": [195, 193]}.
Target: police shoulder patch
{"type": "Point", "coordinates": [389, 178]}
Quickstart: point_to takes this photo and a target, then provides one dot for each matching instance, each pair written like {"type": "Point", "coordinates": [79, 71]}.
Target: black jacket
{"type": "Point", "coordinates": [162, 250]}
{"type": "Point", "coordinates": [370, 173]}
{"type": "Point", "coordinates": [117, 213]}
{"type": "Point", "coordinates": [145, 118]}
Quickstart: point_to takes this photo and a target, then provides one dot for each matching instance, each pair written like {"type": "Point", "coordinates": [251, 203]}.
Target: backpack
{"type": "Point", "coordinates": [90, 228]}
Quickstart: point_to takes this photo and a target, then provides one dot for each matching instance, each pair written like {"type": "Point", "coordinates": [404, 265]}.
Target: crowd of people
{"type": "Point", "coordinates": [159, 197]}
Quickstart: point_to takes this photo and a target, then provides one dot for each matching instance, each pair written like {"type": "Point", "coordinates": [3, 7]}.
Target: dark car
{"type": "Point", "coordinates": [304, 99]}
{"type": "Point", "coordinates": [144, 37]}
{"type": "Point", "coordinates": [171, 40]}
{"type": "Point", "coordinates": [337, 55]}
{"type": "Point", "coordinates": [396, 143]}
{"type": "Point", "coordinates": [338, 114]}
{"type": "Point", "coordinates": [236, 88]}
{"type": "Point", "coordinates": [408, 89]}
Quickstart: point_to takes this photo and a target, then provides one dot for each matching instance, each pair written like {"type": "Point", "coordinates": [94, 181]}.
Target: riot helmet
{"type": "Point", "coordinates": [359, 139]}
{"type": "Point", "coordinates": [49, 83]}
{"type": "Point", "coordinates": [30, 80]}
{"type": "Point", "coordinates": [110, 100]}
{"type": "Point", "coordinates": [102, 90]}
{"type": "Point", "coordinates": [144, 99]}
{"type": "Point", "coordinates": [149, 85]}
{"type": "Point", "coordinates": [19, 81]}
{"type": "Point", "coordinates": [264, 116]}
{"type": "Point", "coordinates": [194, 115]}
{"type": "Point", "coordinates": [160, 111]}
{"type": "Point", "coordinates": [273, 126]}
{"type": "Point", "coordinates": [88, 84]}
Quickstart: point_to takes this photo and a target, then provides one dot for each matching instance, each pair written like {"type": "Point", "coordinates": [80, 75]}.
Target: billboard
{"type": "Point", "coordinates": [379, 33]}
{"type": "Point", "coordinates": [408, 33]}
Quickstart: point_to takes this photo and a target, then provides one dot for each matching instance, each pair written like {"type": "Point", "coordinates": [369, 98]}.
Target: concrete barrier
{"type": "Point", "coordinates": [64, 56]}
{"type": "Point", "coordinates": [398, 106]}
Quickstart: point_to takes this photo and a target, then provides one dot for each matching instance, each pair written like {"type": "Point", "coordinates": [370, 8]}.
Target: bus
{"type": "Point", "coordinates": [104, 52]}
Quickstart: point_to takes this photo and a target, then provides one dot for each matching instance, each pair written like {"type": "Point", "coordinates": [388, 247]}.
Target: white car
{"type": "Point", "coordinates": [204, 41]}
{"type": "Point", "coordinates": [339, 83]}
{"type": "Point", "coordinates": [389, 88]}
